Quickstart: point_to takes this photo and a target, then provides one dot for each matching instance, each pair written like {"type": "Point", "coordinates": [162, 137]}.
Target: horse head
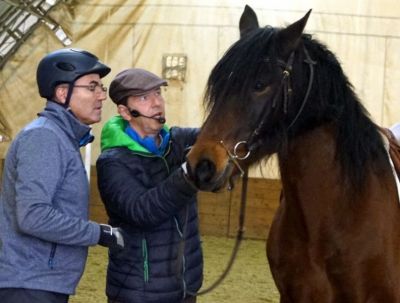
{"type": "Point", "coordinates": [253, 99]}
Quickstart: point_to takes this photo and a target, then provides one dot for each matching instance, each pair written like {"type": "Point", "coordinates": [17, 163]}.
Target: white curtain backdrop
{"type": "Point", "coordinates": [364, 34]}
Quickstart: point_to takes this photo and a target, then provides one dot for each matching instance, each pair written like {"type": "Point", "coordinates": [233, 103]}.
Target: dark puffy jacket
{"type": "Point", "coordinates": [149, 198]}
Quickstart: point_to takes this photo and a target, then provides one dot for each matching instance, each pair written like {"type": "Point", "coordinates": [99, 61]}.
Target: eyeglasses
{"type": "Point", "coordinates": [94, 87]}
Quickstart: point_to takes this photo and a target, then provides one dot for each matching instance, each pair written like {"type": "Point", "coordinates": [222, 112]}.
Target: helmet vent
{"type": "Point", "coordinates": [65, 66]}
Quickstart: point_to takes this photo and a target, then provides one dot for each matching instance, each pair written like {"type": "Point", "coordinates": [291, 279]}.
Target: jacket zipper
{"type": "Point", "coordinates": [181, 235]}
{"type": "Point", "coordinates": [145, 261]}
{"type": "Point", "coordinates": [144, 242]}
{"type": "Point", "coordinates": [52, 254]}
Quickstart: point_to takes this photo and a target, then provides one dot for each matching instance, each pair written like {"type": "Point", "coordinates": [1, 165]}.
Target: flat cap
{"type": "Point", "coordinates": [133, 82]}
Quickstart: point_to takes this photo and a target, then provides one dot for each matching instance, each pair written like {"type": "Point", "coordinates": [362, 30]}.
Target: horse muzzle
{"type": "Point", "coordinates": [212, 166]}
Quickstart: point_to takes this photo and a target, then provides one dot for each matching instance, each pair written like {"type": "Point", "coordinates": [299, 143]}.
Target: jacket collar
{"type": "Point", "coordinates": [113, 135]}
{"type": "Point", "coordinates": [149, 142]}
{"type": "Point", "coordinates": [78, 132]}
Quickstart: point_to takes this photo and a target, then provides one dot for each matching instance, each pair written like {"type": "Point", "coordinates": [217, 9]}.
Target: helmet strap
{"type": "Point", "coordinates": [69, 94]}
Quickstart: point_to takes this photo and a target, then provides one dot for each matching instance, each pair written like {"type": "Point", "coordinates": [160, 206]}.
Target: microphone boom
{"type": "Point", "coordinates": [136, 114]}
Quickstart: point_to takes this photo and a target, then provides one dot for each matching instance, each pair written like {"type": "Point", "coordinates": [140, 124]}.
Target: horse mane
{"type": "Point", "coordinates": [332, 99]}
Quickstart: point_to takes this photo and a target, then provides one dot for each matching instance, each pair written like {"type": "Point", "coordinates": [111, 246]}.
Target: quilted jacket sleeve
{"type": "Point", "coordinates": [145, 191]}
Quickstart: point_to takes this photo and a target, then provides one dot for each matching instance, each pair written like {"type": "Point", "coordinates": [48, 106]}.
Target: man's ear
{"type": "Point", "coordinates": [124, 112]}
{"type": "Point", "coordinates": [60, 93]}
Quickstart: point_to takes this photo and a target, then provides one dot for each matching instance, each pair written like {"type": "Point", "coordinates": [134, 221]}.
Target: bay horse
{"type": "Point", "coordinates": [335, 237]}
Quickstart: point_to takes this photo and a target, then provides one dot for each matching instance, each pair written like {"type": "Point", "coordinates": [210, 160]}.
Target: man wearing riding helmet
{"type": "Point", "coordinates": [45, 232]}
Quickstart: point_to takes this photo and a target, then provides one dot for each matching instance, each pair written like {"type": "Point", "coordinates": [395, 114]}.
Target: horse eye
{"type": "Point", "coordinates": [259, 86]}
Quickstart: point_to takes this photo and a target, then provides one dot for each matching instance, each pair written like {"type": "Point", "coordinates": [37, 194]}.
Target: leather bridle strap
{"type": "Point", "coordinates": [255, 141]}
{"type": "Point", "coordinates": [311, 64]}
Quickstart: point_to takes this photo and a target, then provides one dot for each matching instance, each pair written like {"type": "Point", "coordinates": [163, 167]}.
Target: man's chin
{"type": "Point", "coordinates": [92, 120]}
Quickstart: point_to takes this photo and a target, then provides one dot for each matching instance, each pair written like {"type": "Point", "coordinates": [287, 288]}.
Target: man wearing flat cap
{"type": "Point", "coordinates": [147, 193]}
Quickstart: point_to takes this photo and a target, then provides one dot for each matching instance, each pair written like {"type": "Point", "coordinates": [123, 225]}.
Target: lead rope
{"type": "Point", "coordinates": [239, 237]}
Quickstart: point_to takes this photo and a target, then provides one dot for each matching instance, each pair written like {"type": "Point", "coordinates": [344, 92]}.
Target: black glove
{"type": "Point", "coordinates": [111, 237]}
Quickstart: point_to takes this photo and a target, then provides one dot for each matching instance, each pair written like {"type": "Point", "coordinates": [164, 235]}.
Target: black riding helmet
{"type": "Point", "coordinates": [66, 66]}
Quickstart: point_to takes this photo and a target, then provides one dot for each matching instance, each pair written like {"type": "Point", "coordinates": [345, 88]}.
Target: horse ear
{"type": "Point", "coordinates": [248, 21]}
{"type": "Point", "coordinates": [291, 35]}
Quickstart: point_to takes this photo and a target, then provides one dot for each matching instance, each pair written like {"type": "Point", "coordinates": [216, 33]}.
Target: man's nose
{"type": "Point", "coordinates": [102, 97]}
{"type": "Point", "coordinates": [156, 98]}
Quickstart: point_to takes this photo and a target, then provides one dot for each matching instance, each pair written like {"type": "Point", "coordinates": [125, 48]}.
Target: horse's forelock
{"type": "Point", "coordinates": [235, 73]}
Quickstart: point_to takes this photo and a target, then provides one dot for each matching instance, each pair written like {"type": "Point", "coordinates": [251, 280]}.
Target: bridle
{"type": "Point", "coordinates": [255, 140]}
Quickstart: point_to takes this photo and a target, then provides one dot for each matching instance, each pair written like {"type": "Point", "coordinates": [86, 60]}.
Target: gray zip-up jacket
{"type": "Point", "coordinates": [44, 227]}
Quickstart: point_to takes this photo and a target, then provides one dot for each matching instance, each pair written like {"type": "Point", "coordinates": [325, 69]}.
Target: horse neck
{"type": "Point", "coordinates": [309, 156]}
{"type": "Point", "coordinates": [309, 172]}
{"type": "Point", "coordinates": [313, 186]}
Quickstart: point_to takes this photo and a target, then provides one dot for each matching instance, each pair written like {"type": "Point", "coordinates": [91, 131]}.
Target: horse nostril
{"type": "Point", "coordinates": [205, 171]}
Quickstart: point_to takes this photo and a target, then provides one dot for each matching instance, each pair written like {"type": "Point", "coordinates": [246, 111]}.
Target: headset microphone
{"type": "Point", "coordinates": [136, 114]}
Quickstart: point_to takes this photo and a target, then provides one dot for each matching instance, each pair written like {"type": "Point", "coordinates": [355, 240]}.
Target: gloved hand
{"type": "Point", "coordinates": [111, 237]}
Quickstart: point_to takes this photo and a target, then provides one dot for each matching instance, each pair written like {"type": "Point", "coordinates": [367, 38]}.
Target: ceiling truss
{"type": "Point", "coordinates": [18, 19]}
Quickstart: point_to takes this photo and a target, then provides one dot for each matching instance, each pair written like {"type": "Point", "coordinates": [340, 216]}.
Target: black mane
{"type": "Point", "coordinates": [332, 98]}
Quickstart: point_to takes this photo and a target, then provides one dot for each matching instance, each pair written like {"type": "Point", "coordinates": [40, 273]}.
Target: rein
{"type": "Point", "coordinates": [239, 237]}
